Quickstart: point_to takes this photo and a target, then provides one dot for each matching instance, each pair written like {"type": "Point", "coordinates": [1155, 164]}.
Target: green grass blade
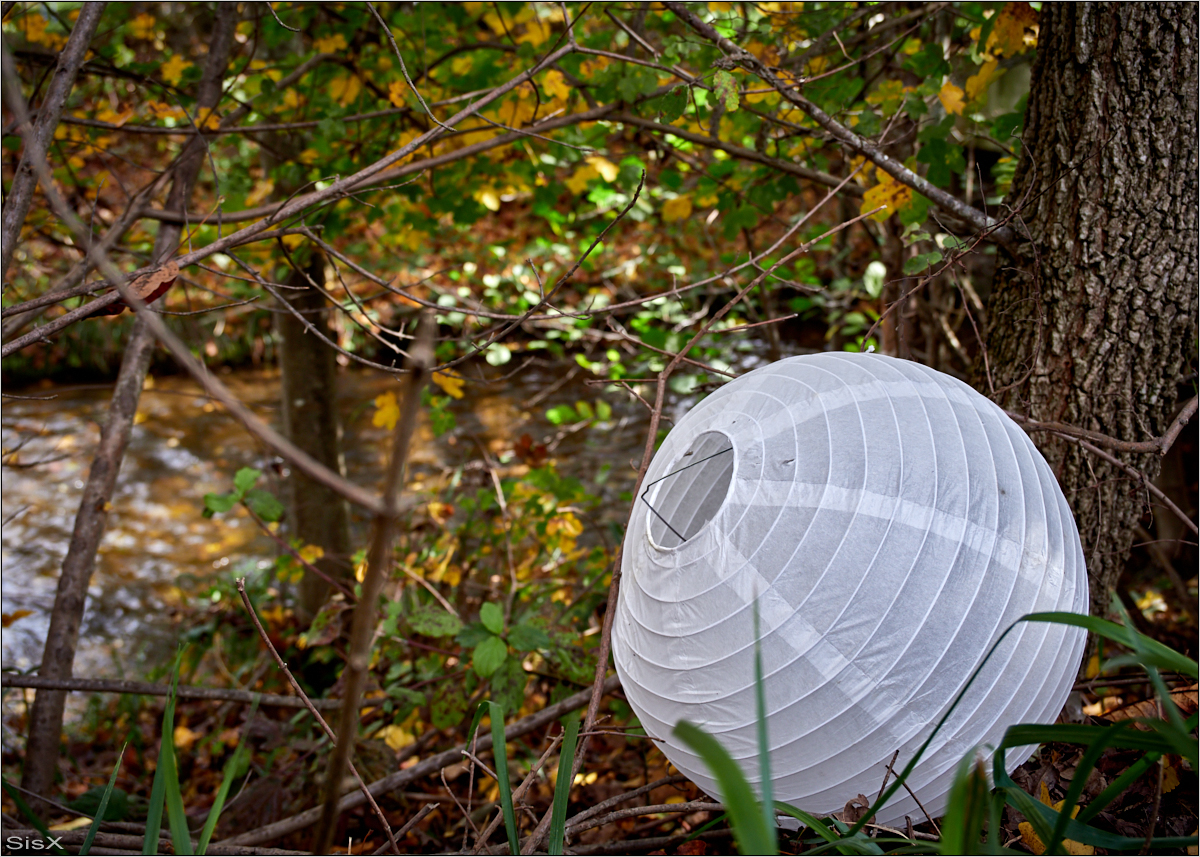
{"type": "Point", "coordinates": [232, 771]}
{"type": "Point", "coordinates": [1152, 653]}
{"type": "Point", "coordinates": [176, 818]}
{"type": "Point", "coordinates": [86, 847]}
{"type": "Point", "coordinates": [968, 808]}
{"type": "Point", "coordinates": [1024, 734]}
{"type": "Point", "coordinates": [767, 803]}
{"type": "Point", "coordinates": [816, 825]}
{"type": "Point", "coordinates": [749, 828]}
{"type": "Point", "coordinates": [500, 756]}
{"type": "Point", "coordinates": [562, 788]}
{"type": "Point", "coordinates": [1116, 787]}
{"type": "Point", "coordinates": [38, 824]}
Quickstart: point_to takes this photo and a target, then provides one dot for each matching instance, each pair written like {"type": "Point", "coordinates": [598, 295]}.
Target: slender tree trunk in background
{"type": "Point", "coordinates": [62, 636]}
{"type": "Point", "coordinates": [310, 420]}
{"type": "Point", "coordinates": [1094, 322]}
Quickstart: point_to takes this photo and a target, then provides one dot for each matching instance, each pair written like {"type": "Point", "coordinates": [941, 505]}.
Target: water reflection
{"type": "Point", "coordinates": [158, 549]}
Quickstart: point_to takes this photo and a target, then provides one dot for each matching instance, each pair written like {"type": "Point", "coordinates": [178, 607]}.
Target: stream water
{"type": "Point", "coordinates": [158, 549]}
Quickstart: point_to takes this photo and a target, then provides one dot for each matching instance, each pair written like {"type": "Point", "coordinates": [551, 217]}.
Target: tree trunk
{"type": "Point", "coordinates": [1093, 321]}
{"type": "Point", "coordinates": [62, 636]}
{"type": "Point", "coordinates": [310, 420]}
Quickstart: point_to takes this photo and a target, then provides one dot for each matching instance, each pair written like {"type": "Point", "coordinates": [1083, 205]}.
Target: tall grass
{"type": "Point", "coordinates": [975, 807]}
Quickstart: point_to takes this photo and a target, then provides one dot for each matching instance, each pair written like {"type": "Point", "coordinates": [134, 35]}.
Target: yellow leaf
{"type": "Point", "coordinates": [679, 208]}
{"type": "Point", "coordinates": [889, 96]}
{"type": "Point", "coordinates": [142, 27]}
{"type": "Point", "coordinates": [308, 156]}
{"type": "Point", "coordinates": [1015, 31]}
{"type": "Point", "coordinates": [1030, 838]}
{"type": "Point", "coordinates": [345, 89]}
{"type": "Point", "coordinates": [291, 99]}
{"type": "Point", "coordinates": [185, 738]}
{"type": "Point", "coordinates": [578, 182]}
{"type": "Point", "coordinates": [261, 191]}
{"type": "Point", "coordinates": [952, 98]}
{"type": "Point", "coordinates": [73, 824]}
{"type": "Point", "coordinates": [311, 553]}
{"type": "Point", "coordinates": [450, 385]}
{"type": "Point", "coordinates": [536, 32]}
{"type": "Point", "coordinates": [172, 70]}
{"type": "Point", "coordinates": [36, 32]}
{"type": "Point", "coordinates": [209, 120]}
{"type": "Point", "coordinates": [292, 241]}
{"type": "Point", "coordinates": [331, 44]}
{"type": "Point", "coordinates": [387, 412]}
{"type": "Point", "coordinates": [556, 85]}
{"type": "Point", "coordinates": [888, 192]}
{"type": "Point", "coordinates": [493, 21]}
{"type": "Point", "coordinates": [395, 737]}
{"type": "Point", "coordinates": [6, 619]}
{"type": "Point", "coordinates": [607, 169]}
{"type": "Point", "coordinates": [396, 90]}
{"type": "Point", "coordinates": [1170, 778]}
{"type": "Point", "coordinates": [488, 198]}
{"type": "Point", "coordinates": [977, 84]}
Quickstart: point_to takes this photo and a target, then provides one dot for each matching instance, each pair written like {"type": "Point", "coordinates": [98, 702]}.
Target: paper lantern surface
{"type": "Point", "coordinates": [891, 523]}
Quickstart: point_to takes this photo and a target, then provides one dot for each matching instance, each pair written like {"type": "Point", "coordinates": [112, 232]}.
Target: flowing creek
{"type": "Point", "coordinates": [158, 549]}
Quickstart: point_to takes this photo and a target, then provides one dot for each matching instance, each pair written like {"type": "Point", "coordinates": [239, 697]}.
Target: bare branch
{"type": "Point", "coordinates": [20, 196]}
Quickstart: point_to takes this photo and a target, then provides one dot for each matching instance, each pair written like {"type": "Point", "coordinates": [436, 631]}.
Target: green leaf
{"type": "Point", "coordinates": [585, 411]}
{"type": "Point", "coordinates": [472, 635]}
{"type": "Point", "coordinates": [562, 786]}
{"type": "Point", "coordinates": [245, 478]}
{"type": "Point", "coordinates": [749, 829]}
{"type": "Point", "coordinates": [407, 701]}
{"type": "Point", "coordinates": [217, 503]}
{"type": "Point", "coordinates": [560, 414]}
{"type": "Point", "coordinates": [508, 684]}
{"type": "Point", "coordinates": [264, 504]}
{"type": "Point", "coordinates": [88, 803]}
{"type": "Point", "coordinates": [603, 409]}
{"type": "Point", "coordinates": [433, 620]}
{"type": "Point", "coordinates": [448, 708]}
{"type": "Point", "coordinates": [499, 752]}
{"type": "Point", "coordinates": [672, 105]}
{"type": "Point", "coordinates": [527, 638]}
{"type": "Point", "coordinates": [488, 656]}
{"type": "Point", "coordinates": [919, 263]}
{"type": "Point", "coordinates": [726, 89]}
{"type": "Point", "coordinates": [492, 617]}
{"type": "Point", "coordinates": [928, 62]}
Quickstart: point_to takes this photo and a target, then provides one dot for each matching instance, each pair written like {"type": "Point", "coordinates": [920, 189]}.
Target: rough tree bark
{"type": "Point", "coordinates": [1093, 321]}
{"type": "Point", "coordinates": [319, 516]}
{"type": "Point", "coordinates": [62, 637]}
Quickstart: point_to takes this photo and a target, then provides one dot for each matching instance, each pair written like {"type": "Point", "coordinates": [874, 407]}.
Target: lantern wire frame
{"type": "Point", "coordinates": [728, 476]}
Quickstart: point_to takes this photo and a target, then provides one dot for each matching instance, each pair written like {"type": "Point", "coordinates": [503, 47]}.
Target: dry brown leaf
{"type": "Point", "coordinates": [149, 287]}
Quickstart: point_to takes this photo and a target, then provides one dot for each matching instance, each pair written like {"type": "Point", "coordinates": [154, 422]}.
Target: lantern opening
{"type": "Point", "coordinates": [692, 493]}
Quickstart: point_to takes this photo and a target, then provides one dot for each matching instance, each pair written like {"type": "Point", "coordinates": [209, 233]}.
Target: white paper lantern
{"type": "Point", "coordinates": [891, 523]}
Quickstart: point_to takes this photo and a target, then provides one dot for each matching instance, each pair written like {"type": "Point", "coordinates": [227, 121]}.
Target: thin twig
{"type": "Point", "coordinates": [379, 563]}
{"type": "Point", "coordinates": [266, 638]}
